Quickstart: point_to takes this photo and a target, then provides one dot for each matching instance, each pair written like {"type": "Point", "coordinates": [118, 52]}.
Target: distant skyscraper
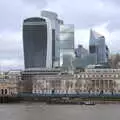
{"type": "Point", "coordinates": [37, 42]}
{"type": "Point", "coordinates": [81, 52]}
{"type": "Point", "coordinates": [66, 45]}
{"type": "Point", "coordinates": [98, 47]}
{"type": "Point", "coordinates": [55, 23]}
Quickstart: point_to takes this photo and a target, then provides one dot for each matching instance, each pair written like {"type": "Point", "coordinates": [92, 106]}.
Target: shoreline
{"type": "Point", "coordinates": [62, 101]}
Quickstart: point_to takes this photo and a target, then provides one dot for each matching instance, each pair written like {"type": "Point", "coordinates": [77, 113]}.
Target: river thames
{"type": "Point", "coordinates": [38, 111]}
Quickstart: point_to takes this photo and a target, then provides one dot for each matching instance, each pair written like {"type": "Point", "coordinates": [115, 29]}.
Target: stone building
{"type": "Point", "coordinates": [54, 81]}
{"type": "Point", "coordinates": [95, 80]}
{"type": "Point", "coordinates": [39, 80]}
{"type": "Point", "coordinates": [9, 83]}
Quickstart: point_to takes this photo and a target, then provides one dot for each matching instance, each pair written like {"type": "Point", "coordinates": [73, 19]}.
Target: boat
{"type": "Point", "coordinates": [89, 103]}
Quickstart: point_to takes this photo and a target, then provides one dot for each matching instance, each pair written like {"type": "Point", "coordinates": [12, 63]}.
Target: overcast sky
{"type": "Point", "coordinates": [101, 15]}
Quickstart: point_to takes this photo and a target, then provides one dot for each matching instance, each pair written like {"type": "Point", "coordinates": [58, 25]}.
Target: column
{"type": "Point", "coordinates": [95, 85]}
{"type": "Point", "coordinates": [108, 85]}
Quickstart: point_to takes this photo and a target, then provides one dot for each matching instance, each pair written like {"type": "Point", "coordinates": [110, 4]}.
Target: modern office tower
{"type": "Point", "coordinates": [81, 51]}
{"type": "Point", "coordinates": [98, 46]}
{"type": "Point", "coordinates": [37, 42]}
{"type": "Point", "coordinates": [55, 22]}
{"type": "Point", "coordinates": [66, 45]}
{"type": "Point", "coordinates": [107, 53]}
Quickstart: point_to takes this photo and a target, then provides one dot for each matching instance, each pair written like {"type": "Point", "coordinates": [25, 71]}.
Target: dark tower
{"type": "Point", "coordinates": [35, 42]}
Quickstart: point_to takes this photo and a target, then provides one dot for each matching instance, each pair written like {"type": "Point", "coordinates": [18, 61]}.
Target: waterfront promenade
{"type": "Point", "coordinates": [67, 98]}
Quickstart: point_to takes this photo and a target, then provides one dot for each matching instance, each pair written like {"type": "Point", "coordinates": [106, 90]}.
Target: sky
{"type": "Point", "coordinates": [102, 16]}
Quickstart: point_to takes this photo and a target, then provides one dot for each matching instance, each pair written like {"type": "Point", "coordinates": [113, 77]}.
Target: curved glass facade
{"type": "Point", "coordinates": [55, 22]}
{"type": "Point", "coordinates": [35, 42]}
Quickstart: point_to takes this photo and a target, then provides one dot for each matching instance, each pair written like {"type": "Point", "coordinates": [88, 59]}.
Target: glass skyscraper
{"type": "Point", "coordinates": [55, 24]}
{"type": "Point", "coordinates": [37, 43]}
{"type": "Point", "coordinates": [98, 47]}
{"type": "Point", "coordinates": [66, 45]}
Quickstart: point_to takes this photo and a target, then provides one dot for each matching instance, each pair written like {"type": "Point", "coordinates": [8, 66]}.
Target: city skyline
{"type": "Point", "coordinates": [99, 19]}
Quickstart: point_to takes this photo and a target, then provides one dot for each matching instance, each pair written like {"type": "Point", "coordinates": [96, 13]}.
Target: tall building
{"type": "Point", "coordinates": [66, 45]}
{"type": "Point", "coordinates": [55, 23]}
{"type": "Point", "coordinates": [38, 40]}
{"type": "Point", "coordinates": [81, 51]}
{"type": "Point", "coordinates": [98, 47]}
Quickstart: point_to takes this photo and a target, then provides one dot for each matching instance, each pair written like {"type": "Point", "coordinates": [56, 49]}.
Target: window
{"type": "Point", "coordinates": [2, 91]}
{"type": "Point", "coordinates": [5, 91]}
{"type": "Point", "coordinates": [101, 75]}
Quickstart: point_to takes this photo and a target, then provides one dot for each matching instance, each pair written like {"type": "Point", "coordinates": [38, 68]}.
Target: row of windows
{"type": "Point", "coordinates": [103, 70]}
{"type": "Point", "coordinates": [78, 91]}
{"type": "Point", "coordinates": [97, 75]}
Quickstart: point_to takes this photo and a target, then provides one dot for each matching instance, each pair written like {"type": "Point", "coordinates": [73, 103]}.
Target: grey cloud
{"type": "Point", "coordinates": [84, 14]}
{"type": "Point", "coordinates": [11, 64]}
{"type": "Point", "coordinates": [87, 13]}
{"type": "Point", "coordinates": [38, 3]}
{"type": "Point", "coordinates": [13, 12]}
{"type": "Point", "coordinates": [114, 25]}
{"type": "Point", "coordinates": [115, 2]}
{"type": "Point", "coordinates": [10, 49]}
{"type": "Point", "coordinates": [10, 15]}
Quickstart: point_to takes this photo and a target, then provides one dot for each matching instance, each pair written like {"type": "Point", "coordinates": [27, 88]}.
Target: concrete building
{"type": "Point", "coordinates": [9, 84]}
{"type": "Point", "coordinates": [38, 42]}
{"type": "Point", "coordinates": [98, 47]}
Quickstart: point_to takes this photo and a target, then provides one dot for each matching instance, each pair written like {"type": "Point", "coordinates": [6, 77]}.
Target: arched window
{"type": "Point", "coordinates": [2, 91]}
{"type": "Point", "coordinates": [6, 91]}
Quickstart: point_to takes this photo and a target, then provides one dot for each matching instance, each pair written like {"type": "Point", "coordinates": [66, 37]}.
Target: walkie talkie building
{"type": "Point", "coordinates": [37, 43]}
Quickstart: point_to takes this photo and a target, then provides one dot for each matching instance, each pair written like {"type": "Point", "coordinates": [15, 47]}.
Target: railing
{"type": "Point", "coordinates": [85, 95]}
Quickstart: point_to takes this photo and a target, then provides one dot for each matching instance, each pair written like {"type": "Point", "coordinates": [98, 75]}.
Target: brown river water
{"type": "Point", "coordinates": [39, 111]}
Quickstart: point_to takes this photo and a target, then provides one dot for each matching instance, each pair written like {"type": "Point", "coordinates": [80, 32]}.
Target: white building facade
{"type": "Point", "coordinates": [91, 80]}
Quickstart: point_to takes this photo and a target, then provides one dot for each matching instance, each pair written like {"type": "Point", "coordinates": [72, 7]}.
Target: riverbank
{"type": "Point", "coordinates": [82, 102]}
{"type": "Point", "coordinates": [64, 100]}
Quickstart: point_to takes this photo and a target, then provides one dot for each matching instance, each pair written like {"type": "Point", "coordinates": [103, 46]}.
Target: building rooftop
{"type": "Point", "coordinates": [42, 69]}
